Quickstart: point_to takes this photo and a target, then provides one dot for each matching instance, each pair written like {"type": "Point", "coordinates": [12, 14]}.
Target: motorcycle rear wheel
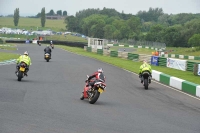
{"type": "Point", "coordinates": [20, 75]}
{"type": "Point", "coordinates": [146, 84]}
{"type": "Point", "coordinates": [95, 97]}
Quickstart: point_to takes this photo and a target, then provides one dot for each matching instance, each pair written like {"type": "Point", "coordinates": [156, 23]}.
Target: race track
{"type": "Point", "coordinates": [47, 101]}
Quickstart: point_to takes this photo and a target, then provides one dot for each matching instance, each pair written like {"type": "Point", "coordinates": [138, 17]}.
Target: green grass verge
{"type": "Point", "coordinates": [8, 46]}
{"type": "Point", "coordinates": [7, 56]}
{"type": "Point", "coordinates": [183, 51]}
{"type": "Point", "coordinates": [134, 66]}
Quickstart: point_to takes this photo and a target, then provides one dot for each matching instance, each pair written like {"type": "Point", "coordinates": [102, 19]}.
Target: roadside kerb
{"type": "Point", "coordinates": [183, 85]}
{"type": "Point", "coordinates": [11, 61]}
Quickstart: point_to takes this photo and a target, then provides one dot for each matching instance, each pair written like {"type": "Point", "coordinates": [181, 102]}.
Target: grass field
{"type": "Point", "coordinates": [8, 46]}
{"type": "Point", "coordinates": [33, 23]}
{"type": "Point", "coordinates": [134, 66]}
{"type": "Point", "coordinates": [7, 56]}
{"type": "Point", "coordinates": [183, 51]}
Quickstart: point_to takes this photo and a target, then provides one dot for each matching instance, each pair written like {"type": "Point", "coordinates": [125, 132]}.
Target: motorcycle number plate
{"type": "Point", "coordinates": [22, 69]}
{"type": "Point", "coordinates": [100, 90]}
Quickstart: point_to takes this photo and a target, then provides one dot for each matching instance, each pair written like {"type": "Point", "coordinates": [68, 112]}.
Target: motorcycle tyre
{"type": "Point", "coordinates": [82, 96]}
{"type": "Point", "coordinates": [20, 75]}
{"type": "Point", "coordinates": [95, 97]}
{"type": "Point", "coordinates": [146, 84]}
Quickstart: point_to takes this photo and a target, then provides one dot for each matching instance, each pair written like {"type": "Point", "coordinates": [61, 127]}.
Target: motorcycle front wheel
{"type": "Point", "coordinates": [82, 96]}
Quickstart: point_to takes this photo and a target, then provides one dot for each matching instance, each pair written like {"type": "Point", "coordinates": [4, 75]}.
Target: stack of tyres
{"type": "Point", "coordinates": [100, 51]}
{"type": "Point", "coordinates": [113, 53]}
{"type": "Point", "coordinates": [162, 61]}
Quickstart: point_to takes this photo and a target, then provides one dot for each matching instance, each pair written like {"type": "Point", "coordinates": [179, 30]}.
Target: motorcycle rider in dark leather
{"type": "Point", "coordinates": [47, 50]}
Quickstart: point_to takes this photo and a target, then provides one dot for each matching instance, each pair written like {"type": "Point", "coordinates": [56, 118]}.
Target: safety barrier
{"type": "Point", "coordinates": [183, 85]}
{"type": "Point", "coordinates": [100, 51]}
{"type": "Point", "coordinates": [113, 53]}
{"type": "Point", "coordinates": [181, 56]}
{"type": "Point", "coordinates": [190, 65]}
{"type": "Point", "coordinates": [162, 61]}
{"type": "Point", "coordinates": [89, 49]}
{"type": "Point", "coordinates": [132, 56]}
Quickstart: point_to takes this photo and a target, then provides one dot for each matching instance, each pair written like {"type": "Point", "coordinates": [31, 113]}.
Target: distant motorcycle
{"type": "Point", "coordinates": [22, 68]}
{"type": "Point", "coordinates": [38, 42]}
{"type": "Point", "coordinates": [52, 46]}
{"type": "Point", "coordinates": [47, 57]}
{"type": "Point", "coordinates": [146, 79]}
{"type": "Point", "coordinates": [93, 95]}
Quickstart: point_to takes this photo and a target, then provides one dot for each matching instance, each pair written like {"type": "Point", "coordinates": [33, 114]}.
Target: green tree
{"type": "Point", "coordinates": [151, 15]}
{"type": "Point", "coordinates": [134, 24]}
{"type": "Point", "coordinates": [59, 12]}
{"type": "Point", "coordinates": [92, 24]}
{"type": "Point", "coordinates": [51, 13]}
{"type": "Point", "coordinates": [43, 17]}
{"type": "Point", "coordinates": [108, 31]}
{"type": "Point", "coordinates": [155, 33]}
{"type": "Point", "coordinates": [71, 22]}
{"type": "Point", "coordinates": [38, 15]}
{"type": "Point", "coordinates": [16, 16]}
{"type": "Point", "coordinates": [194, 40]}
{"type": "Point", "coordinates": [172, 36]}
{"type": "Point", "coordinates": [64, 13]}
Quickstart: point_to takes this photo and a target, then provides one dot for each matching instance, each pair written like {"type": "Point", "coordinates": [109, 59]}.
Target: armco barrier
{"type": "Point", "coordinates": [185, 86]}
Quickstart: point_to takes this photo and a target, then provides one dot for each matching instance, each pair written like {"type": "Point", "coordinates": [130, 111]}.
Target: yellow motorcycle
{"type": "Point", "coordinates": [21, 72]}
{"type": "Point", "coordinates": [47, 57]}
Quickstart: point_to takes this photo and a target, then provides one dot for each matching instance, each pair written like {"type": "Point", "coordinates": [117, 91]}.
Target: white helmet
{"type": "Point", "coordinates": [51, 41]}
{"type": "Point", "coordinates": [100, 70]}
{"type": "Point", "coordinates": [25, 53]}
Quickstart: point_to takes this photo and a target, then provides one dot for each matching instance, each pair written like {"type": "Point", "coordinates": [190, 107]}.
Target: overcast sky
{"type": "Point", "coordinates": [32, 7]}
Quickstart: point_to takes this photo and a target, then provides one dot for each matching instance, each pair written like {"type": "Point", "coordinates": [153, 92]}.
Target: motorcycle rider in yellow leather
{"type": "Point", "coordinates": [145, 67]}
{"type": "Point", "coordinates": [26, 59]}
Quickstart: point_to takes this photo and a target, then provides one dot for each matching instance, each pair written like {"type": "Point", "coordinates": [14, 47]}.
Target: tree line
{"type": "Point", "coordinates": [52, 13]}
{"type": "Point", "coordinates": [175, 30]}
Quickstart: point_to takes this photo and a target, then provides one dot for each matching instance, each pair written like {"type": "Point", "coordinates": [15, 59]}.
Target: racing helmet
{"type": "Point", "coordinates": [100, 70]}
{"type": "Point", "coordinates": [26, 53]}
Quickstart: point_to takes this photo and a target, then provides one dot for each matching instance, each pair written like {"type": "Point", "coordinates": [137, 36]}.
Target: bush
{"type": "Point", "coordinates": [1, 41]}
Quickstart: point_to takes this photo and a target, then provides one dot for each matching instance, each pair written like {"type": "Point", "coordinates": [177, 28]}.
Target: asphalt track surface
{"type": "Point", "coordinates": [47, 101]}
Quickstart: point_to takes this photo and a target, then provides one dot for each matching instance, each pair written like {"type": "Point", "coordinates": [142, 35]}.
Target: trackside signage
{"type": "Point", "coordinates": [177, 64]}
{"type": "Point", "coordinates": [154, 60]}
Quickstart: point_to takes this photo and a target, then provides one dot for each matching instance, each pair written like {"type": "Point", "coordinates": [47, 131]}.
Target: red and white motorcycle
{"type": "Point", "coordinates": [94, 93]}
